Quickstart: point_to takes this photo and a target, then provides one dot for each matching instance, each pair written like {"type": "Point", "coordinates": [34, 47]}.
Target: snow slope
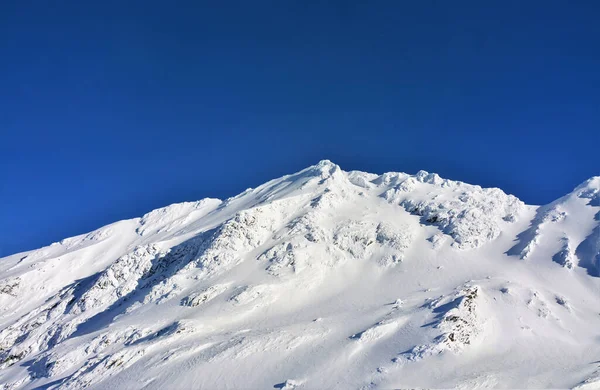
{"type": "Point", "coordinates": [319, 279]}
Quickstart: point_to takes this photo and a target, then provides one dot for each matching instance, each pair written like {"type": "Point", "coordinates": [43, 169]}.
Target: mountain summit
{"type": "Point", "coordinates": [318, 279]}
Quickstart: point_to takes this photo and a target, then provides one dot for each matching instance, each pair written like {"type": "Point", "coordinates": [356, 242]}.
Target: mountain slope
{"type": "Point", "coordinates": [320, 279]}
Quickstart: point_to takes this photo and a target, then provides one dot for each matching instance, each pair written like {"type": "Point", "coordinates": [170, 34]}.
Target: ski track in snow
{"type": "Point", "coordinates": [319, 279]}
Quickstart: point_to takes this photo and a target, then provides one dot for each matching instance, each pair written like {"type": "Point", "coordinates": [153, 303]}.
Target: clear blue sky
{"type": "Point", "coordinates": [109, 109]}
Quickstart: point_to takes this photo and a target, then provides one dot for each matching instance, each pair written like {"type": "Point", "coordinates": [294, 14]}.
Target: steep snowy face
{"type": "Point", "coordinates": [319, 279]}
{"type": "Point", "coordinates": [567, 230]}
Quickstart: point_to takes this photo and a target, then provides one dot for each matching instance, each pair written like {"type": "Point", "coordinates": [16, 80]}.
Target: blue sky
{"type": "Point", "coordinates": [111, 109]}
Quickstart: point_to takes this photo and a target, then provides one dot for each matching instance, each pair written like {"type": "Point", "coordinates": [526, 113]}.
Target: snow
{"type": "Point", "coordinates": [319, 279]}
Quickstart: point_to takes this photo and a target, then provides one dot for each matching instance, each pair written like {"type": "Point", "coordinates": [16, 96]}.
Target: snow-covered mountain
{"type": "Point", "coordinates": [319, 279]}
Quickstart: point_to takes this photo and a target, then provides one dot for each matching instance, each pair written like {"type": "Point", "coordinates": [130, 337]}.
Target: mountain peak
{"type": "Point", "coordinates": [589, 189]}
{"type": "Point", "coordinates": [325, 170]}
{"type": "Point", "coordinates": [326, 163]}
{"type": "Point", "coordinates": [326, 167]}
{"type": "Point", "coordinates": [591, 183]}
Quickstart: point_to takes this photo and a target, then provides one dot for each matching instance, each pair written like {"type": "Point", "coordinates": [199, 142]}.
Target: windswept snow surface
{"type": "Point", "coordinates": [319, 279]}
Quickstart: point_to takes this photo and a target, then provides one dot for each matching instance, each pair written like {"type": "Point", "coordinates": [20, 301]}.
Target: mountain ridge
{"type": "Point", "coordinates": [591, 183]}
